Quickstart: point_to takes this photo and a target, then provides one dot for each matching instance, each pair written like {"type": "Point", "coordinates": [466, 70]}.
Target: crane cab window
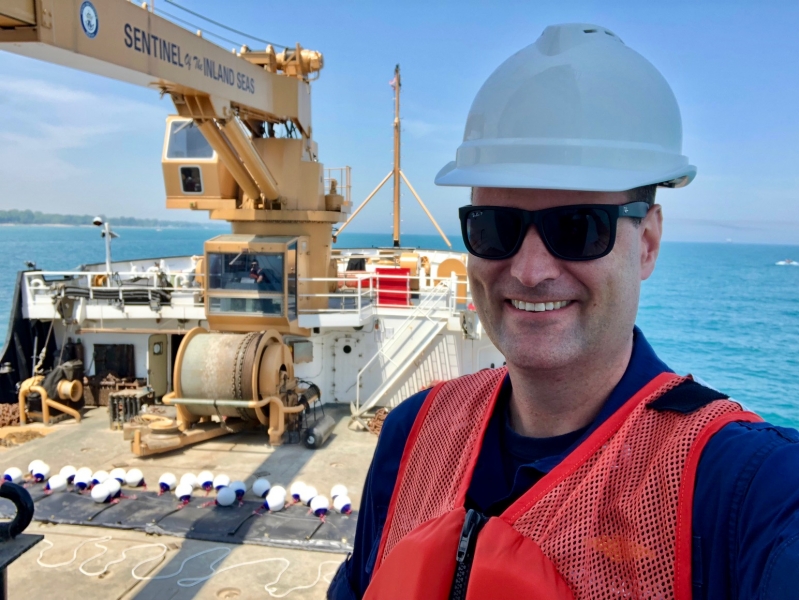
{"type": "Point", "coordinates": [249, 283]}
{"type": "Point", "coordinates": [187, 141]}
{"type": "Point", "coordinates": [191, 180]}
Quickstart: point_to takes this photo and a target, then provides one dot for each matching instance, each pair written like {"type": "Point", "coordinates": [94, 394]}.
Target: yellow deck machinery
{"type": "Point", "coordinates": [241, 148]}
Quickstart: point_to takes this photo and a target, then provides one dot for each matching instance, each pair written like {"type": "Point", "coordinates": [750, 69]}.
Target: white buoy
{"type": "Point", "coordinates": [296, 490]}
{"type": "Point", "coordinates": [343, 504]}
{"type": "Point", "coordinates": [99, 477]}
{"type": "Point", "coordinates": [167, 482]}
{"type": "Point", "coordinates": [307, 494]}
{"type": "Point", "coordinates": [118, 474]}
{"type": "Point", "coordinates": [134, 478]}
{"type": "Point", "coordinates": [101, 493]}
{"type": "Point", "coordinates": [225, 496]}
{"type": "Point", "coordinates": [57, 483]}
{"type": "Point", "coordinates": [261, 487]}
{"type": "Point", "coordinates": [68, 473]}
{"type": "Point", "coordinates": [190, 479]}
{"type": "Point", "coordinates": [206, 480]}
{"type": "Point", "coordinates": [338, 490]}
{"type": "Point", "coordinates": [33, 464]}
{"type": "Point", "coordinates": [86, 471]}
{"type": "Point", "coordinates": [221, 481]}
{"type": "Point", "coordinates": [275, 499]}
{"type": "Point", "coordinates": [183, 492]}
{"type": "Point", "coordinates": [13, 474]}
{"type": "Point", "coordinates": [82, 480]}
{"type": "Point", "coordinates": [240, 488]}
{"type": "Point", "coordinates": [320, 505]}
{"type": "Point", "coordinates": [114, 487]}
{"type": "Point", "coordinates": [41, 472]}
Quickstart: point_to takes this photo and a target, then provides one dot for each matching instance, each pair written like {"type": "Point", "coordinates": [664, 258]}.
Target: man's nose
{"type": "Point", "coordinates": [533, 263]}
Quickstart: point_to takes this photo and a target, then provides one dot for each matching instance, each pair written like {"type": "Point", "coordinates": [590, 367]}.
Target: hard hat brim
{"type": "Point", "coordinates": [560, 177]}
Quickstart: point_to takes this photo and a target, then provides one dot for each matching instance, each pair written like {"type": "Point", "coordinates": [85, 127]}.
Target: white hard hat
{"type": "Point", "coordinates": [576, 110]}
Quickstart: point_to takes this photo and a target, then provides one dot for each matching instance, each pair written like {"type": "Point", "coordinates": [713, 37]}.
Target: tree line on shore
{"type": "Point", "coordinates": [29, 217]}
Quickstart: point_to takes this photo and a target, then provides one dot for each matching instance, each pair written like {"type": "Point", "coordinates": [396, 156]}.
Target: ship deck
{"type": "Point", "coordinates": [343, 459]}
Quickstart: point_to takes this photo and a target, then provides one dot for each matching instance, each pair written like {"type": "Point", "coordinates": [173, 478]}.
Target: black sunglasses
{"type": "Point", "coordinates": [577, 232]}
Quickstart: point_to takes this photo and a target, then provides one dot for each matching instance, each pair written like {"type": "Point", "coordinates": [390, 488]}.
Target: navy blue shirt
{"type": "Point", "coordinates": [746, 500]}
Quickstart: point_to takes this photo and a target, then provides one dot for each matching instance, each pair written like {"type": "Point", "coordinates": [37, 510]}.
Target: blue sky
{"type": "Point", "coordinates": [78, 143]}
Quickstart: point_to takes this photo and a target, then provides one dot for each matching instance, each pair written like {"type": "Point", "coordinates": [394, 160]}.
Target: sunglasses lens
{"type": "Point", "coordinates": [492, 233]}
{"type": "Point", "coordinates": [577, 233]}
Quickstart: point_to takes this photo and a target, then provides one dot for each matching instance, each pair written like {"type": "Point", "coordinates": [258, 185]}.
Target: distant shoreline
{"type": "Point", "coordinates": [66, 225]}
{"type": "Point", "coordinates": [31, 218]}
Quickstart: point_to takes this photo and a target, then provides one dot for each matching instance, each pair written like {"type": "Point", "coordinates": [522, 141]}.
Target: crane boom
{"type": "Point", "coordinates": [221, 151]}
{"type": "Point", "coordinates": [122, 40]}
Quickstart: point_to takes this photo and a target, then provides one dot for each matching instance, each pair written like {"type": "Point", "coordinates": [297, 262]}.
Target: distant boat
{"type": "Point", "coordinates": [788, 262]}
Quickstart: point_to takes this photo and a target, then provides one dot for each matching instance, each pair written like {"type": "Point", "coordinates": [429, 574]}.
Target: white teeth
{"type": "Point", "coordinates": [539, 306]}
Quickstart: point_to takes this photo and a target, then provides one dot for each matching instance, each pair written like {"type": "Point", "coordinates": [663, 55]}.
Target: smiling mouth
{"type": "Point", "coordinates": [539, 306]}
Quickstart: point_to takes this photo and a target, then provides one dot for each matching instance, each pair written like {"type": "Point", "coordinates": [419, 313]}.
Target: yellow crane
{"type": "Point", "coordinates": [221, 154]}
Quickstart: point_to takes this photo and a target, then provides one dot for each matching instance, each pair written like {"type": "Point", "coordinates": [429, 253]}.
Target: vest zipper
{"type": "Point", "coordinates": [465, 556]}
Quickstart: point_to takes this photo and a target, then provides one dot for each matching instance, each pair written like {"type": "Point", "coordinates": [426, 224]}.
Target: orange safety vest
{"type": "Point", "coordinates": [612, 520]}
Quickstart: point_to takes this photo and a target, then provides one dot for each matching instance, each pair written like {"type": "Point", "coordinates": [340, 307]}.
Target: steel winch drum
{"type": "Point", "coordinates": [230, 366]}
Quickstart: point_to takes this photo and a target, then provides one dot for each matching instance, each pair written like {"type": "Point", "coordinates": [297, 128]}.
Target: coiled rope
{"type": "Point", "coordinates": [186, 582]}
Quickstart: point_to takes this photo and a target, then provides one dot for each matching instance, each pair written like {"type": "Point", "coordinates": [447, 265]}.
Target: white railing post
{"type": "Point", "coordinates": [453, 288]}
{"type": "Point", "coordinates": [358, 299]}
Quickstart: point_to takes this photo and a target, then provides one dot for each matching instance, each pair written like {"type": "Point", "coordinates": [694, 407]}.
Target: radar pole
{"type": "Point", "coordinates": [397, 85]}
{"type": "Point", "coordinates": [396, 173]}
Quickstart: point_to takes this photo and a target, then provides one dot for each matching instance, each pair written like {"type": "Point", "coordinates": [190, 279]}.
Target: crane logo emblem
{"type": "Point", "coordinates": [88, 19]}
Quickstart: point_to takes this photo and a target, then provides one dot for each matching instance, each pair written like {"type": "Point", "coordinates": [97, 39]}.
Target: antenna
{"type": "Point", "coordinates": [396, 173]}
{"type": "Point", "coordinates": [396, 84]}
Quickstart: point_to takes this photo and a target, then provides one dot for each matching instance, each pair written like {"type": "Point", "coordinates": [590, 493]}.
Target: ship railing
{"type": "Point", "coordinates": [362, 295]}
{"type": "Point", "coordinates": [343, 178]}
{"type": "Point", "coordinates": [424, 311]}
{"type": "Point", "coordinates": [40, 283]}
{"type": "Point", "coordinates": [359, 292]}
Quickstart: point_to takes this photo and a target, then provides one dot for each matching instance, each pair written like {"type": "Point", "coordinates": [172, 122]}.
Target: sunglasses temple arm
{"type": "Point", "coordinates": [424, 208]}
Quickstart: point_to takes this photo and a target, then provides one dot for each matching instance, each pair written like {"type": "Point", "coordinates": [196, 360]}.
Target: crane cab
{"type": "Point", "coordinates": [194, 175]}
{"type": "Point", "coordinates": [255, 282]}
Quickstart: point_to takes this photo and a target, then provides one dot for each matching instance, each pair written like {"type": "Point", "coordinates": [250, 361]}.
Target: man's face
{"type": "Point", "coordinates": [602, 294]}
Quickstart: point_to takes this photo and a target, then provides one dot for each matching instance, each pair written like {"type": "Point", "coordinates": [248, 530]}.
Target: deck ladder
{"type": "Point", "coordinates": [409, 341]}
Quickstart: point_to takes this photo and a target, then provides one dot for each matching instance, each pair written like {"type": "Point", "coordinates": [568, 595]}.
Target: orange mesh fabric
{"type": "Point", "coordinates": [436, 465]}
{"type": "Point", "coordinates": [610, 525]}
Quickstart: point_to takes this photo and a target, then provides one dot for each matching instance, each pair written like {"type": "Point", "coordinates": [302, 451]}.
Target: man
{"type": "Point", "coordinates": [256, 272]}
{"type": "Point", "coordinates": [586, 469]}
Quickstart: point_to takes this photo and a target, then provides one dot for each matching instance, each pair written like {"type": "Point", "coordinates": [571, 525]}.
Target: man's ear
{"type": "Point", "coordinates": [650, 230]}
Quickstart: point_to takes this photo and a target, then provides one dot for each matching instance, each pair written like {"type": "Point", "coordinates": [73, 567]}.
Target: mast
{"type": "Point", "coordinates": [397, 174]}
{"type": "Point", "coordinates": [396, 85]}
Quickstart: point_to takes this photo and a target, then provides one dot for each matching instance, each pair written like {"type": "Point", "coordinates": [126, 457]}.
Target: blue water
{"type": "Point", "coordinates": [723, 312]}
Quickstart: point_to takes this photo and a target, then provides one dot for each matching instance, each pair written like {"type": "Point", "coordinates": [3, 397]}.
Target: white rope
{"type": "Point", "coordinates": [270, 588]}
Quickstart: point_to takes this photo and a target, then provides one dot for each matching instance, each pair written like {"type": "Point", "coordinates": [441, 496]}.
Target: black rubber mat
{"type": "Point", "coordinates": [338, 528]}
{"type": "Point", "coordinates": [292, 523]}
{"type": "Point", "coordinates": [292, 527]}
{"type": "Point", "coordinates": [211, 522]}
{"type": "Point", "coordinates": [136, 513]}
{"type": "Point", "coordinates": [69, 508]}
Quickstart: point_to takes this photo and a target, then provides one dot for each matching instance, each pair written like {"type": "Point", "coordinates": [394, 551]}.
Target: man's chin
{"type": "Point", "coordinates": [543, 355]}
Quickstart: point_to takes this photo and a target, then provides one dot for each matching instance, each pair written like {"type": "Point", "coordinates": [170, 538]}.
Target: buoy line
{"type": "Point", "coordinates": [186, 582]}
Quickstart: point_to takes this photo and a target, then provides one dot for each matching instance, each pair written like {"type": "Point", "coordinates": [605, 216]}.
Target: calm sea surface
{"type": "Point", "coordinates": [726, 313]}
